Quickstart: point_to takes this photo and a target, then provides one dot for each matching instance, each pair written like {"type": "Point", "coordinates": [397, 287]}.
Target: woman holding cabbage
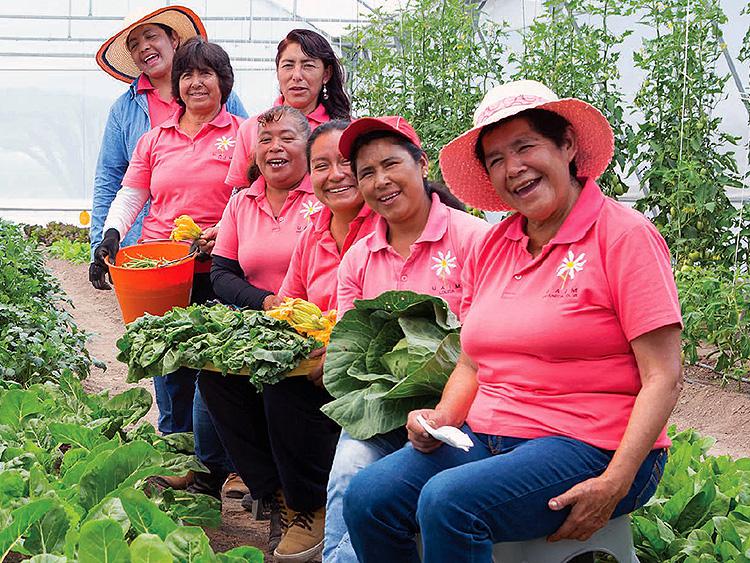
{"type": "Point", "coordinates": [419, 243]}
{"type": "Point", "coordinates": [570, 362]}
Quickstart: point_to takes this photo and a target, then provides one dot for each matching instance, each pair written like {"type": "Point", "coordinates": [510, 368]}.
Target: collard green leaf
{"type": "Point", "coordinates": [430, 378]}
{"type": "Point", "coordinates": [17, 406]}
{"type": "Point", "coordinates": [110, 508]}
{"type": "Point", "coordinates": [145, 517]}
{"type": "Point", "coordinates": [48, 534]}
{"type": "Point", "coordinates": [75, 435]}
{"type": "Point", "coordinates": [245, 554]}
{"type": "Point", "coordinates": [23, 519]}
{"type": "Point", "coordinates": [149, 548]}
{"type": "Point", "coordinates": [102, 540]}
{"type": "Point", "coordinates": [188, 544]}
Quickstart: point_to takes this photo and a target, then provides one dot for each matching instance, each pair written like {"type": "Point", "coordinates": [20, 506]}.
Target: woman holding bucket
{"type": "Point", "coordinates": [140, 54]}
{"type": "Point", "coordinates": [181, 166]}
{"type": "Point", "coordinates": [311, 80]}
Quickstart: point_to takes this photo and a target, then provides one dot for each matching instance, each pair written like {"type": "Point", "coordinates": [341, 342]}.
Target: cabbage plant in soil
{"type": "Point", "coordinates": [388, 356]}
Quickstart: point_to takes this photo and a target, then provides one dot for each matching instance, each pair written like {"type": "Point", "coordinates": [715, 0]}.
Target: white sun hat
{"type": "Point", "coordinates": [113, 56]}
{"type": "Point", "coordinates": [466, 176]}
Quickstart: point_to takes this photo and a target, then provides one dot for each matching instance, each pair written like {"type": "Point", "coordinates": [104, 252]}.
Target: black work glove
{"type": "Point", "coordinates": [107, 249]}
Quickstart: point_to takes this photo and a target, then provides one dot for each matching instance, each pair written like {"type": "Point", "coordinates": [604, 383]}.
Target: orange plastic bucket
{"type": "Point", "coordinates": [153, 290]}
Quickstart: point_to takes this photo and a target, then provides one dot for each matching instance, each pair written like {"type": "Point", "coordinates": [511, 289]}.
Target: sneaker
{"type": "Point", "coordinates": [207, 484]}
{"type": "Point", "coordinates": [176, 482]}
{"type": "Point", "coordinates": [304, 538]}
{"type": "Point", "coordinates": [234, 487]}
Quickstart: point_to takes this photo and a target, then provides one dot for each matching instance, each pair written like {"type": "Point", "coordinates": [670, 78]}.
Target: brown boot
{"type": "Point", "coordinates": [234, 487]}
{"type": "Point", "coordinates": [279, 518]}
{"type": "Point", "coordinates": [176, 482]}
{"type": "Point", "coordinates": [304, 538]}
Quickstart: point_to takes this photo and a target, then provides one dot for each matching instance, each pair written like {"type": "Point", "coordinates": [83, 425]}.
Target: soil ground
{"type": "Point", "coordinates": [721, 412]}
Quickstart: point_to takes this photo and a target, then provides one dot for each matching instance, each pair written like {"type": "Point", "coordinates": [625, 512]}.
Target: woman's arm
{"type": "Point", "coordinates": [593, 501]}
{"type": "Point", "coordinates": [125, 209]}
{"type": "Point", "coordinates": [452, 409]}
{"type": "Point", "coordinates": [229, 284]}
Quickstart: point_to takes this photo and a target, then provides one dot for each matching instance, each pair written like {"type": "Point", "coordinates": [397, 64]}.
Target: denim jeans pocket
{"type": "Point", "coordinates": [648, 489]}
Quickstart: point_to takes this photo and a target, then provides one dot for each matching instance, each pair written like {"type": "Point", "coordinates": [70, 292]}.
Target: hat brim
{"type": "Point", "coordinates": [360, 127]}
{"type": "Point", "coordinates": [468, 180]}
{"type": "Point", "coordinates": [113, 56]}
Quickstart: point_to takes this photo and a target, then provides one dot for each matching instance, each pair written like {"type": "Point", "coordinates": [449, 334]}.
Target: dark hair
{"type": "Point", "coordinates": [276, 113]}
{"type": "Point", "coordinates": [416, 153]}
{"type": "Point", "coordinates": [168, 30]}
{"type": "Point", "coordinates": [323, 128]}
{"type": "Point", "coordinates": [197, 53]}
{"type": "Point", "coordinates": [546, 123]}
{"type": "Point", "coordinates": [316, 46]}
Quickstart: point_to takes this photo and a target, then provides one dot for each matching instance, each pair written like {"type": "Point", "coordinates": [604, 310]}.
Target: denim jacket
{"type": "Point", "coordinates": [128, 120]}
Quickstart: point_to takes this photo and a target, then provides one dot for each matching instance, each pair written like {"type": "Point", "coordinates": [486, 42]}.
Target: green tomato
{"type": "Point", "coordinates": [699, 225]}
{"type": "Point", "coordinates": [694, 255]}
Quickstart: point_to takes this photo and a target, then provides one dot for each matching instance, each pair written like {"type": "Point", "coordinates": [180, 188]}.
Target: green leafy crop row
{"type": "Point", "coordinates": [73, 481]}
{"type": "Point", "coordinates": [38, 339]}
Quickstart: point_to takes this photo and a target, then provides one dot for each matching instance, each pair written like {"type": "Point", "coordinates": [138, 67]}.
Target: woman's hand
{"type": "Point", "coordinates": [207, 240]}
{"type": "Point", "coordinates": [592, 503]}
{"type": "Point", "coordinates": [106, 251]}
{"type": "Point", "coordinates": [420, 439]}
{"type": "Point", "coordinates": [271, 301]}
{"type": "Point", "coordinates": [316, 375]}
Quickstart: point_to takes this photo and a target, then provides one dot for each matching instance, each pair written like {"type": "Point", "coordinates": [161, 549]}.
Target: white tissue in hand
{"type": "Point", "coordinates": [447, 434]}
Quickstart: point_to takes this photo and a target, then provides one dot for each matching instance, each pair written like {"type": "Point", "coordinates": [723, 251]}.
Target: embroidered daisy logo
{"type": "Point", "coordinates": [223, 143]}
{"type": "Point", "coordinates": [443, 264]}
{"type": "Point", "coordinates": [570, 265]}
{"type": "Point", "coordinates": [310, 208]}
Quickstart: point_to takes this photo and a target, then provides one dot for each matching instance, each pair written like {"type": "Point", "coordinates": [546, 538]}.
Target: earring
{"type": "Point", "coordinates": [325, 91]}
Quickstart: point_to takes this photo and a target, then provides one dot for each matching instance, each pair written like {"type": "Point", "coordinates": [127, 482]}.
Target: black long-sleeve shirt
{"type": "Point", "coordinates": [230, 285]}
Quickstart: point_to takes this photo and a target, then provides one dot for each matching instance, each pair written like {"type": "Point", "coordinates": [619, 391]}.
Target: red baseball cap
{"type": "Point", "coordinates": [392, 123]}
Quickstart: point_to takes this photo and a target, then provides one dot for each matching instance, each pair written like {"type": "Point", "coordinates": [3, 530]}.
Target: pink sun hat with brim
{"type": "Point", "coordinates": [113, 56]}
{"type": "Point", "coordinates": [466, 176]}
{"type": "Point", "coordinates": [391, 123]}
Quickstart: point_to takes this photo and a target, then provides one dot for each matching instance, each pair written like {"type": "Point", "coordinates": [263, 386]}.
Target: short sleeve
{"type": "Point", "coordinates": [641, 283]}
{"type": "Point", "coordinates": [244, 153]}
{"type": "Point", "coordinates": [138, 174]}
{"type": "Point", "coordinates": [349, 282]}
{"type": "Point", "coordinates": [227, 239]}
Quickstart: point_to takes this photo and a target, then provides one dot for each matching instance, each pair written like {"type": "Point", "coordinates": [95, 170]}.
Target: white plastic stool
{"type": "Point", "coordinates": [614, 539]}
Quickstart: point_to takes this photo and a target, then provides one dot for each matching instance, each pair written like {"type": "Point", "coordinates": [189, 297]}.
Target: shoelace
{"type": "Point", "coordinates": [303, 520]}
{"type": "Point", "coordinates": [278, 503]}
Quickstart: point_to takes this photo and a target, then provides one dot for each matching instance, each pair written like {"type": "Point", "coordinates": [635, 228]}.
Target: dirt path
{"type": "Point", "coordinates": [723, 413]}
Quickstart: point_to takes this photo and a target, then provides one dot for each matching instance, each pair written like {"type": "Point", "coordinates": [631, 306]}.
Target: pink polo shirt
{"type": "Point", "coordinates": [248, 134]}
{"type": "Point", "coordinates": [434, 266]}
{"type": "Point", "coordinates": [551, 335]}
{"type": "Point", "coordinates": [261, 243]}
{"type": "Point", "coordinates": [158, 110]}
{"type": "Point", "coordinates": [313, 270]}
{"type": "Point", "coordinates": [184, 175]}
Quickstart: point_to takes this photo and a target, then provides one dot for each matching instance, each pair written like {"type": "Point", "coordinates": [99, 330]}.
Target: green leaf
{"type": "Point", "coordinates": [144, 515]}
{"type": "Point", "coordinates": [23, 519]}
{"type": "Point", "coordinates": [110, 508]}
{"type": "Point", "coordinates": [48, 534]}
{"type": "Point", "coordinates": [189, 544]}
{"type": "Point", "coordinates": [133, 460]}
{"type": "Point", "coordinates": [244, 553]}
{"type": "Point", "coordinates": [75, 435]}
{"type": "Point", "coordinates": [47, 558]}
{"type": "Point", "coordinates": [102, 541]}
{"type": "Point", "coordinates": [149, 548]}
{"type": "Point", "coordinates": [17, 406]}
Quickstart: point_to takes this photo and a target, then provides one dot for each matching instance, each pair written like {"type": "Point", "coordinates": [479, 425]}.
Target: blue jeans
{"type": "Point", "coordinates": [174, 399]}
{"type": "Point", "coordinates": [351, 456]}
{"type": "Point", "coordinates": [464, 502]}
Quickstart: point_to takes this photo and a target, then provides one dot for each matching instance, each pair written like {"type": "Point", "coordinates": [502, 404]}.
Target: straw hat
{"type": "Point", "coordinates": [391, 123]}
{"type": "Point", "coordinates": [113, 56]}
{"type": "Point", "coordinates": [467, 177]}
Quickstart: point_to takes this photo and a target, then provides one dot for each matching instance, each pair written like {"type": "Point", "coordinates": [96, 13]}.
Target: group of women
{"type": "Point", "coordinates": [570, 361]}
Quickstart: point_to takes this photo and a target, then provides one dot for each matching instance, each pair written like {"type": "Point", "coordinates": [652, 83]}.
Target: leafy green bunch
{"type": "Point", "coordinates": [38, 339]}
{"type": "Point", "coordinates": [229, 340]}
{"type": "Point", "coordinates": [679, 147]}
{"type": "Point", "coordinates": [389, 356]}
{"type": "Point", "coordinates": [56, 231]}
{"type": "Point", "coordinates": [430, 62]}
{"type": "Point", "coordinates": [700, 511]}
{"type": "Point", "coordinates": [580, 59]}
{"type": "Point", "coordinates": [72, 478]}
